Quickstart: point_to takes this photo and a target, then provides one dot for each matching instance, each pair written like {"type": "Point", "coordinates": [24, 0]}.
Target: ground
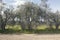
{"type": "Point", "coordinates": [29, 37]}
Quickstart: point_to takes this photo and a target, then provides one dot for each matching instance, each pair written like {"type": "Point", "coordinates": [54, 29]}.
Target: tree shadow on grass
{"type": "Point", "coordinates": [10, 31]}
{"type": "Point", "coordinates": [48, 31]}
{"type": "Point", "coordinates": [45, 31]}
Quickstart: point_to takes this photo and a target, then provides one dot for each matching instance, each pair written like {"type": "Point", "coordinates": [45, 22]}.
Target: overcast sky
{"type": "Point", "coordinates": [54, 4]}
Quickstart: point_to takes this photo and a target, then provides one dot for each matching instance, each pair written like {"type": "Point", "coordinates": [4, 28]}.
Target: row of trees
{"type": "Point", "coordinates": [29, 16]}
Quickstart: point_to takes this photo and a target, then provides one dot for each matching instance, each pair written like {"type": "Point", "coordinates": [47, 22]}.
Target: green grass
{"type": "Point", "coordinates": [15, 27]}
{"type": "Point", "coordinates": [42, 29]}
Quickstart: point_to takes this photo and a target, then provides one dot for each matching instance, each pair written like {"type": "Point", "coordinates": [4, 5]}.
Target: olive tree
{"type": "Point", "coordinates": [28, 15]}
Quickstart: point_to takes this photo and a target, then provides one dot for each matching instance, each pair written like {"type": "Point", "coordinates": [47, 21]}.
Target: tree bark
{"type": "Point", "coordinates": [51, 26]}
{"type": "Point", "coordinates": [29, 26]}
{"type": "Point", "coordinates": [3, 25]}
{"type": "Point", "coordinates": [22, 25]}
{"type": "Point", "coordinates": [57, 26]}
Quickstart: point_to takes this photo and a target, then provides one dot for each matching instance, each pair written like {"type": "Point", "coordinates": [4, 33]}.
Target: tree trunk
{"type": "Point", "coordinates": [22, 25]}
{"type": "Point", "coordinates": [29, 26]}
{"type": "Point", "coordinates": [50, 25]}
{"type": "Point", "coordinates": [57, 26]}
{"type": "Point", "coordinates": [3, 25]}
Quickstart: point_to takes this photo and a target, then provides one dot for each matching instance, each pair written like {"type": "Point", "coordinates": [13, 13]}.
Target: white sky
{"type": "Point", "coordinates": [54, 4]}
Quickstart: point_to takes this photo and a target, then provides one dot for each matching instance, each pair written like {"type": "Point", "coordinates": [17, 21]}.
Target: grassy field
{"type": "Point", "coordinates": [42, 29]}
